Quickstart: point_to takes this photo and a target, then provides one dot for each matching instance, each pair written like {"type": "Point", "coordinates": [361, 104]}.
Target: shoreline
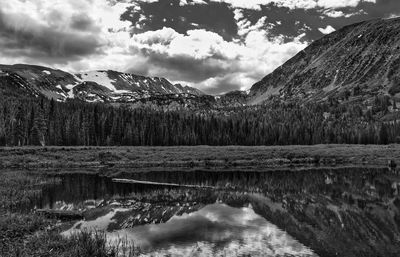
{"type": "Point", "coordinates": [194, 157]}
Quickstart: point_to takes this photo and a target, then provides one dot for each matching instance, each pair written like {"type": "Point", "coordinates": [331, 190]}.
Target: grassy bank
{"type": "Point", "coordinates": [24, 233]}
{"type": "Point", "coordinates": [197, 156]}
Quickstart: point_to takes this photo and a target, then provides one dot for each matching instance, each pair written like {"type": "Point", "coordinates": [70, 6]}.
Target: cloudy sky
{"type": "Point", "coordinates": [214, 45]}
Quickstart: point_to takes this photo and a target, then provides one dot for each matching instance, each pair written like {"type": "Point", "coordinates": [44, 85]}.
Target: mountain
{"type": "Point", "coordinates": [109, 87]}
{"type": "Point", "coordinates": [355, 63]}
{"type": "Point", "coordinates": [93, 86]}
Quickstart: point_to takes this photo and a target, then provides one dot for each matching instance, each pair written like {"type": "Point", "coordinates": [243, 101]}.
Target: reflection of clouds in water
{"type": "Point", "coordinates": [215, 230]}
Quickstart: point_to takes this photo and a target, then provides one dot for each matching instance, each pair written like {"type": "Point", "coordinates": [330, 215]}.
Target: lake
{"type": "Point", "coordinates": [305, 212]}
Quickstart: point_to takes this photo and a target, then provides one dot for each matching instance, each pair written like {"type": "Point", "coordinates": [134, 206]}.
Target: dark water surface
{"type": "Point", "coordinates": [333, 211]}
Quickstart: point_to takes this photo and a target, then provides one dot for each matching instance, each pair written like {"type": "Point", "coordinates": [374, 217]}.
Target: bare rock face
{"type": "Point", "coordinates": [358, 61]}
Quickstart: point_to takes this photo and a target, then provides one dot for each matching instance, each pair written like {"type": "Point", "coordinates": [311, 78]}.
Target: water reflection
{"type": "Point", "coordinates": [215, 230]}
{"type": "Point", "coordinates": [85, 191]}
{"type": "Point", "coordinates": [371, 183]}
{"type": "Point", "coordinates": [336, 212]}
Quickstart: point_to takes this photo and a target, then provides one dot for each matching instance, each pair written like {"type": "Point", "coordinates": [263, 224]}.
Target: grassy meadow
{"type": "Point", "coordinates": [196, 156]}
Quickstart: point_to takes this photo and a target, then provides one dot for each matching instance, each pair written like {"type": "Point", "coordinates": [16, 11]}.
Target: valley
{"type": "Point", "coordinates": [303, 163]}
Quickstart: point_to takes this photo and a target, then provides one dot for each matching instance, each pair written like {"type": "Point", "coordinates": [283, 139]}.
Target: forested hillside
{"type": "Point", "coordinates": [39, 121]}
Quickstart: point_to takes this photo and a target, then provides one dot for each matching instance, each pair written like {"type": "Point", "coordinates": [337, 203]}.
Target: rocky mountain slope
{"type": "Point", "coordinates": [94, 86]}
{"type": "Point", "coordinates": [357, 62]}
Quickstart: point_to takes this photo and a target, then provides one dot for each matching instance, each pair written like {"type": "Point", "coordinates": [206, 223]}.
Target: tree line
{"type": "Point", "coordinates": [39, 121]}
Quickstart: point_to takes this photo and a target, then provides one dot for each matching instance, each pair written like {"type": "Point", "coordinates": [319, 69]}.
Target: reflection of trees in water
{"type": "Point", "coordinates": [330, 209]}
{"type": "Point", "coordinates": [332, 182]}
{"type": "Point", "coordinates": [366, 183]}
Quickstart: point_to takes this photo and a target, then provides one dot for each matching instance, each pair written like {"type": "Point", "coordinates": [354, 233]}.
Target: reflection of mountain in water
{"type": "Point", "coordinates": [344, 211]}
{"type": "Point", "coordinates": [215, 230]}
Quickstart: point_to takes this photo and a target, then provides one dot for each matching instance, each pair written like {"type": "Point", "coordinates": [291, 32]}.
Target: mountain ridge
{"type": "Point", "coordinates": [360, 59]}
{"type": "Point", "coordinates": [90, 86]}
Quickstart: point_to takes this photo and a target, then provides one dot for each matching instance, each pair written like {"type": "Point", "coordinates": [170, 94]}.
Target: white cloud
{"type": "Point", "coordinates": [297, 4]}
{"type": "Point", "coordinates": [333, 13]}
{"type": "Point", "coordinates": [193, 2]}
{"type": "Point", "coordinates": [338, 3]}
{"type": "Point", "coordinates": [392, 16]}
{"type": "Point", "coordinates": [294, 4]}
{"type": "Point", "coordinates": [337, 14]}
{"type": "Point", "coordinates": [196, 44]}
{"type": "Point", "coordinates": [328, 30]}
{"type": "Point", "coordinates": [244, 25]}
{"type": "Point", "coordinates": [163, 36]}
{"type": "Point", "coordinates": [246, 62]}
{"type": "Point", "coordinates": [199, 2]}
{"type": "Point", "coordinates": [245, 4]}
{"type": "Point", "coordinates": [147, 1]}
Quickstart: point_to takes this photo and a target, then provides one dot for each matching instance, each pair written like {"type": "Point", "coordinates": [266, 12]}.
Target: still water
{"type": "Point", "coordinates": [197, 222]}
{"type": "Point", "coordinates": [273, 213]}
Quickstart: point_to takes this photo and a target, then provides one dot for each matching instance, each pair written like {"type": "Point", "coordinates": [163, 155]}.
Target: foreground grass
{"type": "Point", "coordinates": [18, 190]}
{"type": "Point", "coordinates": [23, 233]}
{"type": "Point", "coordinates": [196, 156]}
{"type": "Point", "coordinates": [28, 235]}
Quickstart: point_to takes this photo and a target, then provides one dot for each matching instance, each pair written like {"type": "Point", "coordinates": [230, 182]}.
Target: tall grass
{"type": "Point", "coordinates": [82, 244]}
{"type": "Point", "coordinates": [26, 234]}
{"type": "Point", "coordinates": [29, 235]}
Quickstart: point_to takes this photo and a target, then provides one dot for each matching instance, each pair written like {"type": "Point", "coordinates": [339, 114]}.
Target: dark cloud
{"type": "Point", "coordinates": [213, 16]}
{"type": "Point", "coordinates": [186, 68]}
{"type": "Point", "coordinates": [47, 43]}
{"type": "Point", "coordinates": [139, 68]}
{"type": "Point", "coordinates": [83, 22]}
{"type": "Point", "coordinates": [223, 85]}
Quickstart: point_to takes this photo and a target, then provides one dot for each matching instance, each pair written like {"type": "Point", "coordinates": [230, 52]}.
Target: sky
{"type": "Point", "coordinates": [214, 45]}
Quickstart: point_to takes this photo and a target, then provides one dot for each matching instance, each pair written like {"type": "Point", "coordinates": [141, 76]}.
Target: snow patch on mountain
{"type": "Point", "coordinates": [101, 78]}
{"type": "Point", "coordinates": [70, 87]}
